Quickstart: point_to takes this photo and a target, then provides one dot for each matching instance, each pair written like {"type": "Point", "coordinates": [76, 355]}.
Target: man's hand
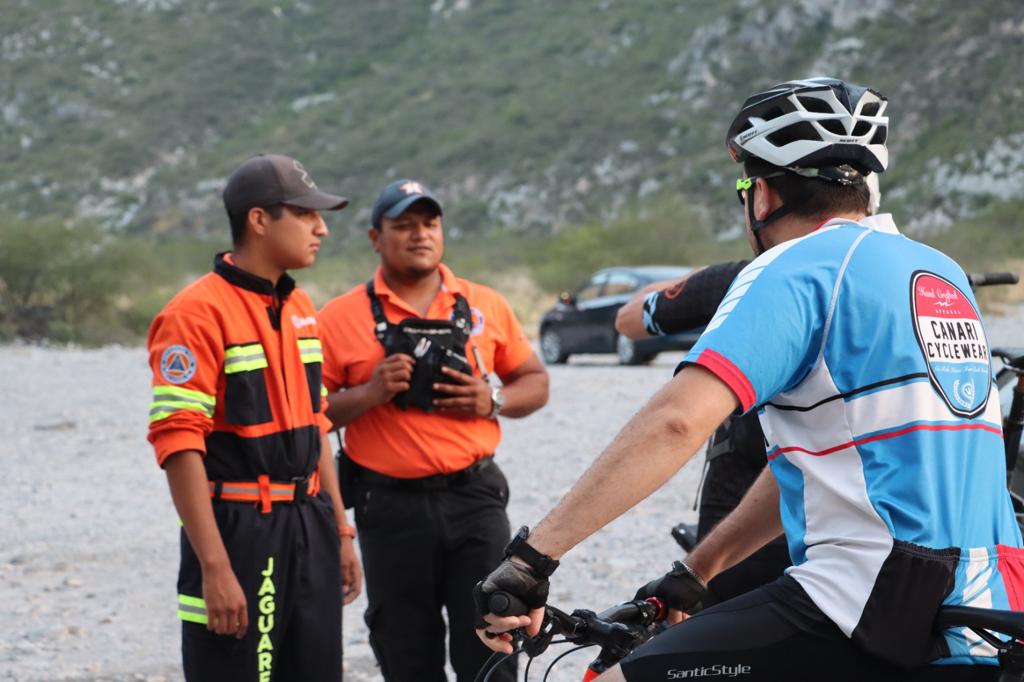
{"type": "Point", "coordinates": [681, 590]}
{"type": "Point", "coordinates": [226, 610]}
{"type": "Point", "coordinates": [351, 572]}
{"type": "Point", "coordinates": [517, 580]}
{"type": "Point", "coordinates": [390, 376]}
{"type": "Point", "coordinates": [470, 394]}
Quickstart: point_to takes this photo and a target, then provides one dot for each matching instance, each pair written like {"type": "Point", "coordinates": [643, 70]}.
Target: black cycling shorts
{"type": "Point", "coordinates": [772, 633]}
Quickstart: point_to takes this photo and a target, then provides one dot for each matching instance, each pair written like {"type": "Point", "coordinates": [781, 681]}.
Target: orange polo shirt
{"type": "Point", "coordinates": [413, 443]}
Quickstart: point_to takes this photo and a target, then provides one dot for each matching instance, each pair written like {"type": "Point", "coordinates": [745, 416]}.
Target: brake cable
{"type": "Point", "coordinates": [560, 657]}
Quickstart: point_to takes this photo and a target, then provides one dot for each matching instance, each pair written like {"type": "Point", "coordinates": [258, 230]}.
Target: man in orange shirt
{"type": "Point", "coordinates": [410, 360]}
{"type": "Point", "coordinates": [237, 421]}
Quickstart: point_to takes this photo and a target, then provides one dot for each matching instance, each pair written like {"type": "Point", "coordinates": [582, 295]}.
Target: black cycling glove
{"type": "Point", "coordinates": [515, 580]}
{"type": "Point", "coordinates": [681, 589]}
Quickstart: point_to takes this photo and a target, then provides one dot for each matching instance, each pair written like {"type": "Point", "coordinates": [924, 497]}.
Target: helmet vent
{"type": "Point", "coordinates": [797, 131]}
{"type": "Point", "coordinates": [870, 109]}
{"type": "Point", "coordinates": [862, 128]}
{"type": "Point", "coordinates": [880, 135]}
{"type": "Point", "coordinates": [774, 112]}
{"type": "Point", "coordinates": [833, 126]}
{"type": "Point", "coordinates": [815, 105]}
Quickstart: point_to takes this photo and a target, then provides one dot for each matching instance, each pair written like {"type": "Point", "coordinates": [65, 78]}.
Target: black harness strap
{"type": "Point", "coordinates": [462, 318]}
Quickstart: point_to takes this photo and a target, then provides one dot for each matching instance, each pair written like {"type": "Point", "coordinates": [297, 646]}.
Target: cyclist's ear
{"type": "Point", "coordinates": [766, 199]}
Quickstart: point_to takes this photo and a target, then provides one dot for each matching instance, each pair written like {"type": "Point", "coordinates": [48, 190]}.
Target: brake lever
{"type": "Point", "coordinates": [555, 622]}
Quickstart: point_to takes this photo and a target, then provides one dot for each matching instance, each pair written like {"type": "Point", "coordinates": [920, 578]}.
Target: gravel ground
{"type": "Point", "coordinates": [88, 554]}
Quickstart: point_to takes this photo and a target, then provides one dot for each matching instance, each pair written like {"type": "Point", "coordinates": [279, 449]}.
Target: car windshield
{"type": "Point", "coordinates": [656, 273]}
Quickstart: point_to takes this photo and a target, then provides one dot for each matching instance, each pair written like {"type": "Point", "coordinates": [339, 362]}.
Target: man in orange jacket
{"type": "Point", "coordinates": [237, 421]}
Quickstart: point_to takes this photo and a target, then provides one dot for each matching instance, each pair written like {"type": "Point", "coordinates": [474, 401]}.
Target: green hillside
{"type": "Point", "coordinates": [527, 114]}
{"type": "Point", "coordinates": [546, 126]}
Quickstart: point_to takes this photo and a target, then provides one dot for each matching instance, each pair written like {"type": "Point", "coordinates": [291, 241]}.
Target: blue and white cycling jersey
{"type": "Point", "coordinates": [864, 354]}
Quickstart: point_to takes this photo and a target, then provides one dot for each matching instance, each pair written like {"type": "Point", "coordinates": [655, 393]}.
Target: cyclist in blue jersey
{"type": "Point", "coordinates": [864, 354]}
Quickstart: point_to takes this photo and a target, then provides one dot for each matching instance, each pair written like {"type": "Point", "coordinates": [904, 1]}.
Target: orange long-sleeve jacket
{"type": "Point", "coordinates": [236, 367]}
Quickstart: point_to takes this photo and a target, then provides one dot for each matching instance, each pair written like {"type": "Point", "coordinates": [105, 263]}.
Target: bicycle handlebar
{"type": "Point", "coordinates": [617, 630]}
{"type": "Point", "coordinates": [984, 279]}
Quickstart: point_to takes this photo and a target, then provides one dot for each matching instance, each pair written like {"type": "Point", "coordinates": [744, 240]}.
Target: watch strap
{"type": "Point", "coordinates": [497, 402]}
{"type": "Point", "coordinates": [543, 565]}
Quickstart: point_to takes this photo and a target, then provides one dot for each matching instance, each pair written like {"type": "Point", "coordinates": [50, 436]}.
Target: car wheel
{"type": "Point", "coordinates": [625, 348]}
{"type": "Point", "coordinates": [551, 348]}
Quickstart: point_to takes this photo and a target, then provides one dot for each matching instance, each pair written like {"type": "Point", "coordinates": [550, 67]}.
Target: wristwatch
{"type": "Point", "coordinates": [543, 565]}
{"type": "Point", "coordinates": [497, 402]}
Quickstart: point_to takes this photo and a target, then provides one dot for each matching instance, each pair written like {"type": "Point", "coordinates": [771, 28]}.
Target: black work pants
{"type": "Point", "coordinates": [773, 633]}
{"type": "Point", "coordinates": [288, 564]}
{"type": "Point", "coordinates": [423, 550]}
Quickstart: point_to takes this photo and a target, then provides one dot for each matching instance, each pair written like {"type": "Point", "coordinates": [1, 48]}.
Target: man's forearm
{"type": "Point", "coordinates": [652, 447]}
{"type": "Point", "coordinates": [751, 525]}
{"type": "Point", "coordinates": [345, 406]}
{"type": "Point", "coordinates": [190, 490]}
{"type": "Point", "coordinates": [525, 395]}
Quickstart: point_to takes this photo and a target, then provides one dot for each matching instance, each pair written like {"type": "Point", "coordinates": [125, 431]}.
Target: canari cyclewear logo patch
{"type": "Point", "coordinates": [265, 624]}
{"type": "Point", "coordinates": [177, 364]}
{"type": "Point", "coordinates": [717, 670]}
{"type": "Point", "coordinates": [953, 342]}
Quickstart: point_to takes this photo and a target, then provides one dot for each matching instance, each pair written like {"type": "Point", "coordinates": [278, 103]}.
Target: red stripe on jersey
{"type": "Point", "coordinates": [734, 378]}
{"type": "Point", "coordinates": [891, 434]}
{"type": "Point", "coordinates": [1011, 568]}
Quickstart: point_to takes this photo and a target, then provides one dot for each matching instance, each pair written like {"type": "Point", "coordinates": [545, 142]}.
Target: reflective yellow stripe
{"type": "Point", "coordinates": [237, 351]}
{"type": "Point", "coordinates": [170, 399]}
{"type": "Point", "coordinates": [185, 394]}
{"type": "Point", "coordinates": [323, 391]}
{"type": "Point", "coordinates": [186, 600]}
{"type": "Point", "coordinates": [192, 609]}
{"type": "Point", "coordinates": [311, 350]}
{"type": "Point", "coordinates": [244, 358]}
{"type": "Point", "coordinates": [192, 617]}
{"type": "Point", "coordinates": [158, 411]}
{"type": "Point", "coordinates": [245, 366]}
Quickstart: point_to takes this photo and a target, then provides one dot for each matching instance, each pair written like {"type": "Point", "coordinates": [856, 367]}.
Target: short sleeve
{"type": "Point", "coordinates": [513, 347]}
{"type": "Point", "coordinates": [692, 302]}
{"type": "Point", "coordinates": [767, 332]}
{"type": "Point", "coordinates": [186, 354]}
{"type": "Point", "coordinates": [334, 372]}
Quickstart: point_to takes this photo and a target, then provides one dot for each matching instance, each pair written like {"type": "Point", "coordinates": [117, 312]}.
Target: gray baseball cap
{"type": "Point", "coordinates": [272, 179]}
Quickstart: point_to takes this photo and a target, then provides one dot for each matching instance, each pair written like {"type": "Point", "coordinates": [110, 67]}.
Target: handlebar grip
{"type": "Point", "coordinates": [983, 279]}
{"type": "Point", "coordinates": [505, 604]}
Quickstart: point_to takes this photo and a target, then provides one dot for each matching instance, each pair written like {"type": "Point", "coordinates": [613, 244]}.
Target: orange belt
{"type": "Point", "coordinates": [265, 492]}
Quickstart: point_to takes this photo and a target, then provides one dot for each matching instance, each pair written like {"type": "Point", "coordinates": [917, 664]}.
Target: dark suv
{"type": "Point", "coordinates": [583, 321]}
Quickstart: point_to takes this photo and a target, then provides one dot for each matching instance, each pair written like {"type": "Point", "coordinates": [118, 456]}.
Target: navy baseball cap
{"type": "Point", "coordinates": [397, 198]}
{"type": "Point", "coordinates": [273, 179]}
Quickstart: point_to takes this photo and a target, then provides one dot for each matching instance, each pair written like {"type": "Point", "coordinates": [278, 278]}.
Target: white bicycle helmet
{"type": "Point", "coordinates": [813, 123]}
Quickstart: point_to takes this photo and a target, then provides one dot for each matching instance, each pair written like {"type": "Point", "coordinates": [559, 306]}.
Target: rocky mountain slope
{"type": "Point", "coordinates": [529, 115]}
